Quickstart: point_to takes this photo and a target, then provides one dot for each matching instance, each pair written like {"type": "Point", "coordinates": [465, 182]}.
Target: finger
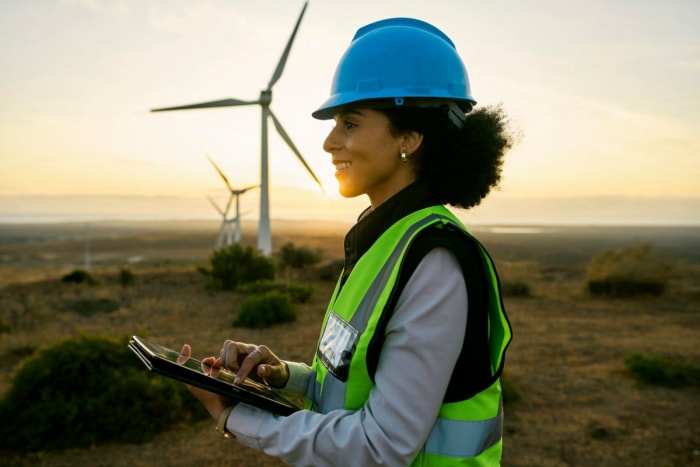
{"type": "Point", "coordinates": [273, 374]}
{"type": "Point", "coordinates": [249, 362]}
{"type": "Point", "coordinates": [185, 354]}
{"type": "Point", "coordinates": [208, 366]}
{"type": "Point", "coordinates": [209, 361]}
{"type": "Point", "coordinates": [264, 373]}
{"type": "Point", "coordinates": [229, 355]}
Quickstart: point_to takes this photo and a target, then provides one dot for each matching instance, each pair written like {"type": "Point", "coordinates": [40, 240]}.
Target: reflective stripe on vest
{"type": "Point", "coordinates": [467, 438]}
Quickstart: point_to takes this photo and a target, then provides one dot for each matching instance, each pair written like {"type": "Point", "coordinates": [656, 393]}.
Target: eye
{"type": "Point", "coordinates": [349, 124]}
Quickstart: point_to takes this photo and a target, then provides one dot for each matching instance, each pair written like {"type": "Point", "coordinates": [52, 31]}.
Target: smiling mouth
{"type": "Point", "coordinates": [341, 165]}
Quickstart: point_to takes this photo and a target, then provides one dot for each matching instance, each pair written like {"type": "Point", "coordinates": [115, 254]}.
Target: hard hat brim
{"type": "Point", "coordinates": [335, 103]}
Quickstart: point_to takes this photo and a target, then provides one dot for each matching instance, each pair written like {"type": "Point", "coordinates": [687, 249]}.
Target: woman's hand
{"type": "Point", "coordinates": [214, 403]}
{"type": "Point", "coordinates": [249, 360]}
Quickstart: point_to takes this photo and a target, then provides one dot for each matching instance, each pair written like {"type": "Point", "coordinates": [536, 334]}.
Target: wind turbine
{"type": "Point", "coordinates": [224, 237]}
{"type": "Point", "coordinates": [264, 236]}
{"type": "Point", "coordinates": [234, 193]}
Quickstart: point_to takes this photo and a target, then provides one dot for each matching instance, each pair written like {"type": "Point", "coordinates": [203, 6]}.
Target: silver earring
{"type": "Point", "coordinates": [403, 157]}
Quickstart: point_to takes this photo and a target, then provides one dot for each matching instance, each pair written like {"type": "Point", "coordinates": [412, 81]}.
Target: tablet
{"type": "Point", "coordinates": [164, 361]}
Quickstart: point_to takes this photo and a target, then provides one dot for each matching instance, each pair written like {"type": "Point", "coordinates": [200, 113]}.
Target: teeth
{"type": "Point", "coordinates": [342, 165]}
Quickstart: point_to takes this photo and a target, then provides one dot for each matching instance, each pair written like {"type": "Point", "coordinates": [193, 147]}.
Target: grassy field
{"type": "Point", "coordinates": [580, 406]}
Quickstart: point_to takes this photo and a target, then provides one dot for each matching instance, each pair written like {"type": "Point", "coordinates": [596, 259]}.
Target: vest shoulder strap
{"type": "Point", "coordinates": [472, 372]}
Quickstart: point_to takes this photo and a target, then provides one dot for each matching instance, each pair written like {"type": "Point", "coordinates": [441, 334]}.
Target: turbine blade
{"type": "Point", "coordinates": [294, 149]}
{"type": "Point", "coordinates": [207, 105]}
{"type": "Point", "coordinates": [220, 172]}
{"type": "Point", "coordinates": [216, 206]}
{"type": "Point", "coordinates": [285, 54]}
{"type": "Point", "coordinates": [248, 188]}
{"type": "Point", "coordinates": [228, 205]}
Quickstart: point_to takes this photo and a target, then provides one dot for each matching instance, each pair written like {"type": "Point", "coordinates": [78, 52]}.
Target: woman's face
{"type": "Point", "coordinates": [367, 157]}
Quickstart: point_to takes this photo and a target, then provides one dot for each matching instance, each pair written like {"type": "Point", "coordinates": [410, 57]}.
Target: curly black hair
{"type": "Point", "coordinates": [460, 165]}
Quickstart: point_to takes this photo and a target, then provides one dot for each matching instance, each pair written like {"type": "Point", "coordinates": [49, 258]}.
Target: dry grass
{"type": "Point", "coordinates": [579, 405]}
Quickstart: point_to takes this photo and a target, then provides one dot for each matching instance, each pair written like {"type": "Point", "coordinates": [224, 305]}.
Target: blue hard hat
{"type": "Point", "coordinates": [404, 60]}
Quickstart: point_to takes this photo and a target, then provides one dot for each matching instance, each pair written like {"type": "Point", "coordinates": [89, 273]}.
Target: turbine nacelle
{"type": "Point", "coordinates": [265, 97]}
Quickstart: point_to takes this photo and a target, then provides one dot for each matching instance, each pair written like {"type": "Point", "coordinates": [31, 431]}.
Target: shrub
{"type": "Point", "coordinates": [298, 258]}
{"type": "Point", "coordinates": [126, 277]}
{"type": "Point", "coordinates": [236, 264]}
{"type": "Point", "coordinates": [78, 276]}
{"type": "Point", "coordinates": [297, 292]}
{"type": "Point", "coordinates": [628, 272]}
{"type": "Point", "coordinates": [260, 311]}
{"type": "Point", "coordinates": [669, 371]}
{"type": "Point", "coordinates": [4, 326]}
{"type": "Point", "coordinates": [86, 391]}
{"type": "Point", "coordinates": [516, 289]}
{"type": "Point", "coordinates": [19, 352]}
{"type": "Point", "coordinates": [89, 307]}
{"type": "Point", "coordinates": [331, 271]}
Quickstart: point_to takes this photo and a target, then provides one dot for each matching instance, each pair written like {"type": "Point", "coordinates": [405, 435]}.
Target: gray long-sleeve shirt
{"type": "Point", "coordinates": [423, 341]}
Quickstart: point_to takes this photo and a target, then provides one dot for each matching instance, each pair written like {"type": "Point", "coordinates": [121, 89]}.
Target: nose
{"type": "Point", "coordinates": [331, 142]}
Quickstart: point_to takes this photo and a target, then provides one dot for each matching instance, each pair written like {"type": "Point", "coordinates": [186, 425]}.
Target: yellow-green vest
{"type": "Point", "coordinates": [467, 432]}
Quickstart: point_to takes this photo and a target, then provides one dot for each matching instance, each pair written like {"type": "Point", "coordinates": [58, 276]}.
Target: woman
{"type": "Point", "coordinates": [413, 343]}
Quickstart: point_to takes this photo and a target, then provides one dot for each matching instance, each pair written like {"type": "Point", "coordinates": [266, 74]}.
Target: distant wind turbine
{"type": "Point", "coordinates": [224, 237]}
{"type": "Point", "coordinates": [264, 235]}
{"type": "Point", "coordinates": [225, 226]}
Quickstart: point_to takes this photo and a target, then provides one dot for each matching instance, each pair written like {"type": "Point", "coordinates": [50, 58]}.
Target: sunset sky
{"type": "Point", "coordinates": [605, 93]}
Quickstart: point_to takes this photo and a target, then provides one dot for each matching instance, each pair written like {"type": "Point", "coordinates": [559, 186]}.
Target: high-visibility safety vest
{"type": "Point", "coordinates": [466, 432]}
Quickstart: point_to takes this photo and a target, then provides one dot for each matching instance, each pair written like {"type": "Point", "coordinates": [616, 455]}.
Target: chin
{"type": "Point", "coordinates": [346, 192]}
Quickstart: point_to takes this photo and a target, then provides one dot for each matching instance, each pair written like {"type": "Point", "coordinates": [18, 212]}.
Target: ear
{"type": "Point", "coordinates": [412, 140]}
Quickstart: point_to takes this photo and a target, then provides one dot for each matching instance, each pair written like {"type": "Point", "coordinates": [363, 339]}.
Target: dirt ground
{"type": "Point", "coordinates": [579, 404]}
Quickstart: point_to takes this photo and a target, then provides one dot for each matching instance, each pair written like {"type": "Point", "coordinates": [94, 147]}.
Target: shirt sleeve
{"type": "Point", "coordinates": [423, 341]}
{"type": "Point", "coordinates": [299, 374]}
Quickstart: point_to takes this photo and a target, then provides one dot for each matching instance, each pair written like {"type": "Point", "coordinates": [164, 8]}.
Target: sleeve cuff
{"type": "Point", "coordinates": [298, 378]}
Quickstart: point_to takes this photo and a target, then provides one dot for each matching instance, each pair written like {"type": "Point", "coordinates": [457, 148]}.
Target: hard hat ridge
{"type": "Point", "coordinates": [403, 59]}
{"type": "Point", "coordinates": [408, 22]}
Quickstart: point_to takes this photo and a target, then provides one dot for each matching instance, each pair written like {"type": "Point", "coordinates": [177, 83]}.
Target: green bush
{"type": "Point", "coordinates": [86, 391]}
{"type": "Point", "coordinates": [126, 277]}
{"type": "Point", "coordinates": [4, 326]}
{"type": "Point", "coordinates": [618, 287]}
{"type": "Point", "coordinates": [78, 276]}
{"type": "Point", "coordinates": [297, 258]}
{"type": "Point", "coordinates": [261, 311]}
{"type": "Point", "coordinates": [516, 289]}
{"type": "Point", "coordinates": [331, 271]}
{"type": "Point", "coordinates": [19, 352]}
{"type": "Point", "coordinates": [297, 292]}
{"type": "Point", "coordinates": [628, 272]}
{"type": "Point", "coordinates": [669, 371]}
{"type": "Point", "coordinates": [89, 307]}
{"type": "Point", "coordinates": [236, 264]}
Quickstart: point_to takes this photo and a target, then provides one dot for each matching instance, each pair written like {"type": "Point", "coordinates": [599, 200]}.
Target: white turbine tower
{"type": "Point", "coordinates": [264, 235]}
{"type": "Point", "coordinates": [234, 193]}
